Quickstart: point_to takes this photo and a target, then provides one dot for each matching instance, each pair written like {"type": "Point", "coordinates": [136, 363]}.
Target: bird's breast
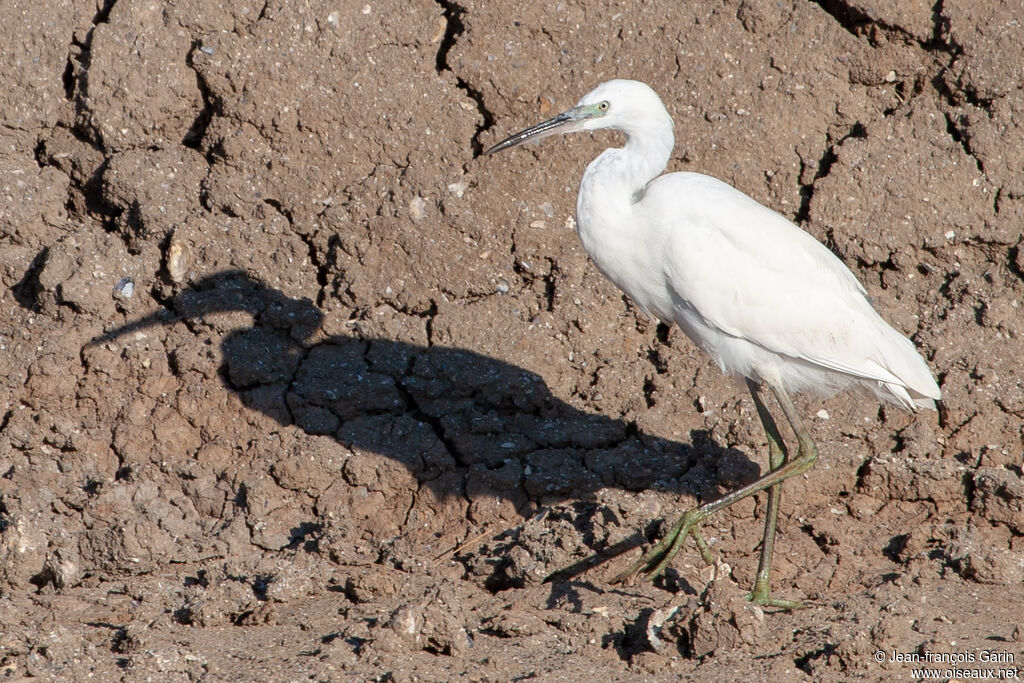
{"type": "Point", "coordinates": [615, 240]}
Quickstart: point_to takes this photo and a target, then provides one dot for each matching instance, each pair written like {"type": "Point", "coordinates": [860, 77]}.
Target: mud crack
{"type": "Point", "coordinates": [322, 268]}
{"type": "Point", "coordinates": [453, 14]}
{"type": "Point", "coordinates": [850, 18]}
{"type": "Point", "coordinates": [863, 25]}
{"type": "Point", "coordinates": [197, 131]}
{"type": "Point", "coordinates": [857, 130]}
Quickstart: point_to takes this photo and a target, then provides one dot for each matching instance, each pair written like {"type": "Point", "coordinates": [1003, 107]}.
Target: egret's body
{"type": "Point", "coordinates": [762, 297]}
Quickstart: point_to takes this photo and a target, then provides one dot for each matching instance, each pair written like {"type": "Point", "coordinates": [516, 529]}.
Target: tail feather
{"type": "Point", "coordinates": [916, 388]}
{"type": "Point", "coordinates": [906, 399]}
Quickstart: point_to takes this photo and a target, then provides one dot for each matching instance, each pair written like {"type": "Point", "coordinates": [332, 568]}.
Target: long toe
{"type": "Point", "coordinates": [764, 599]}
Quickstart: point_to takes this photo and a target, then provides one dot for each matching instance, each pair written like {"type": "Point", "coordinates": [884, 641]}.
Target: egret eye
{"type": "Point", "coordinates": [603, 105]}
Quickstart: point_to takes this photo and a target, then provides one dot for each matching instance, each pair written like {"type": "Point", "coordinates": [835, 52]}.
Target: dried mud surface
{"type": "Point", "coordinates": [296, 385]}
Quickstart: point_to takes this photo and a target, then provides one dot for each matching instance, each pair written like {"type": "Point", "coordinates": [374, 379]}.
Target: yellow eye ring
{"type": "Point", "coordinates": [603, 105]}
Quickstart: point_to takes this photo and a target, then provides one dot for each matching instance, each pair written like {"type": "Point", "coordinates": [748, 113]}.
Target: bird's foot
{"type": "Point", "coordinates": [762, 596]}
{"type": "Point", "coordinates": [657, 558]}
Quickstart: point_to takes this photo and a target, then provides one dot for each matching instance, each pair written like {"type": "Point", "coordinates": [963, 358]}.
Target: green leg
{"type": "Point", "coordinates": [777, 457]}
{"type": "Point", "coordinates": [657, 558]}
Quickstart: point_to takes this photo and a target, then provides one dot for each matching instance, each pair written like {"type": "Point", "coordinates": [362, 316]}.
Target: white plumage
{"type": "Point", "coordinates": [761, 296]}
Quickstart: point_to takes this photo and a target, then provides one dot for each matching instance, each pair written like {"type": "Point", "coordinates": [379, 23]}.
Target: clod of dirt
{"type": "Point", "coordinates": [82, 270]}
{"type": "Point", "coordinates": [999, 497]}
{"type": "Point", "coordinates": [725, 620]}
{"type": "Point", "coordinates": [431, 624]}
{"type": "Point", "coordinates": [993, 558]}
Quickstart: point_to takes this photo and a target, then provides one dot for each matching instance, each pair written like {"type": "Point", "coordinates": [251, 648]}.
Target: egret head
{"type": "Point", "coordinates": [629, 106]}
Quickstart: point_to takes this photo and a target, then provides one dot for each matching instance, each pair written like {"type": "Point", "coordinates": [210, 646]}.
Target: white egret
{"type": "Point", "coordinates": [762, 297]}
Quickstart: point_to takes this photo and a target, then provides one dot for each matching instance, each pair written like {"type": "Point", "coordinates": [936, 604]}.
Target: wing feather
{"type": "Point", "coordinates": [752, 274]}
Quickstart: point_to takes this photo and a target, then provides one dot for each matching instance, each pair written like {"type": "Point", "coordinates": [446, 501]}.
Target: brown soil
{"type": "Point", "coordinates": [298, 385]}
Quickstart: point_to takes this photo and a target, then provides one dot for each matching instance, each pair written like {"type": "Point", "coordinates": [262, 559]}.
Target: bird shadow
{"type": "Point", "coordinates": [438, 409]}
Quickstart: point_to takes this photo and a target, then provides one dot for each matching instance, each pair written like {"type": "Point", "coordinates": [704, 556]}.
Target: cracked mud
{"type": "Point", "coordinates": [298, 385]}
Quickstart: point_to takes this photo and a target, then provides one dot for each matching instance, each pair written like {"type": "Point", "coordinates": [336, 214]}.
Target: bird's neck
{"type": "Point", "coordinates": [609, 199]}
{"type": "Point", "coordinates": [616, 180]}
{"type": "Point", "coordinates": [621, 174]}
